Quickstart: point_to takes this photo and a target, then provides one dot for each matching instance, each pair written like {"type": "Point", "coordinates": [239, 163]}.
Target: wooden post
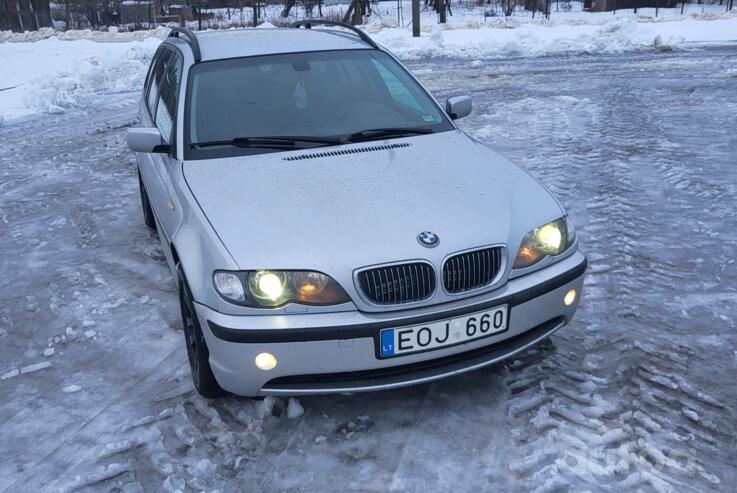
{"type": "Point", "coordinates": [357, 13]}
{"type": "Point", "coordinates": [416, 18]}
{"type": "Point", "coordinates": [36, 24]}
{"type": "Point", "coordinates": [441, 10]}
{"type": "Point", "coordinates": [20, 17]}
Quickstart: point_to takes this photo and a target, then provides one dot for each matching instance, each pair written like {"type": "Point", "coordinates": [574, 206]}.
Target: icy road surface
{"type": "Point", "coordinates": [638, 393]}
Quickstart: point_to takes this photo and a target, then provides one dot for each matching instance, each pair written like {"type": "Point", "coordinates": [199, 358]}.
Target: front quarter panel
{"type": "Point", "coordinates": [197, 246]}
{"type": "Point", "coordinates": [194, 242]}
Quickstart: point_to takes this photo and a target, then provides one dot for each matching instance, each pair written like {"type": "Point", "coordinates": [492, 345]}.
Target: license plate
{"type": "Point", "coordinates": [435, 335]}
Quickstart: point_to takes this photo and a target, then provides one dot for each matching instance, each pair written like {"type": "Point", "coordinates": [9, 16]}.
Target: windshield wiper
{"type": "Point", "coordinates": [384, 133]}
{"type": "Point", "coordinates": [296, 142]}
{"type": "Point", "coordinates": [290, 142]}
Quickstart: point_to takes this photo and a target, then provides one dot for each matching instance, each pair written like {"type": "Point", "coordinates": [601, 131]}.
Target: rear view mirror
{"type": "Point", "coordinates": [458, 107]}
{"type": "Point", "coordinates": [146, 139]}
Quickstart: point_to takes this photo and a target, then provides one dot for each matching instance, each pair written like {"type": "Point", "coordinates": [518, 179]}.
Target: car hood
{"type": "Point", "coordinates": [335, 211]}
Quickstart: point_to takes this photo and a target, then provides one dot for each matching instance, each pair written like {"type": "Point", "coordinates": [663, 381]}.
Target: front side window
{"type": "Point", "coordinates": [155, 78]}
{"type": "Point", "coordinates": [166, 109]}
{"type": "Point", "coordinates": [314, 94]}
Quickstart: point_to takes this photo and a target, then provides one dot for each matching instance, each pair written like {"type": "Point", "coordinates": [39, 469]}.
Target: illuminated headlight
{"type": "Point", "coordinates": [273, 288]}
{"type": "Point", "coordinates": [550, 239]}
{"type": "Point", "coordinates": [268, 286]}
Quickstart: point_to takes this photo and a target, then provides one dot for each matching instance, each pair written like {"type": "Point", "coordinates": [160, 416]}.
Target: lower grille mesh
{"type": "Point", "coordinates": [396, 284]}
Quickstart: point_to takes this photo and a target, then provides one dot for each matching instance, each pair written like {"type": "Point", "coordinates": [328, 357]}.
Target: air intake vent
{"type": "Point", "coordinates": [472, 270]}
{"type": "Point", "coordinates": [396, 284]}
{"type": "Point", "coordinates": [342, 152]}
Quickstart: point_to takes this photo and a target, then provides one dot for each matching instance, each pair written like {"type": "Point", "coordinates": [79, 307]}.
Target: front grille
{"type": "Point", "coordinates": [472, 270]}
{"type": "Point", "coordinates": [395, 284]}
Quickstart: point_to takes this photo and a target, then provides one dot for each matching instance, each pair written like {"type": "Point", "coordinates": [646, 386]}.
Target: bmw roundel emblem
{"type": "Point", "coordinates": [428, 239]}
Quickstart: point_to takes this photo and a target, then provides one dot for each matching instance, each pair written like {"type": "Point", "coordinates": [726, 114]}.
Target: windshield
{"type": "Point", "coordinates": [323, 98]}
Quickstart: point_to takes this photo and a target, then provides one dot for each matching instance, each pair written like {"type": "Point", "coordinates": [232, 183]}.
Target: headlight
{"type": "Point", "coordinates": [268, 286]}
{"type": "Point", "coordinates": [229, 286]}
{"type": "Point", "coordinates": [548, 240]}
{"type": "Point", "coordinates": [273, 288]}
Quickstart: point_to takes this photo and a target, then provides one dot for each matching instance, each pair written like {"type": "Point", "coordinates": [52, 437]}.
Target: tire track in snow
{"type": "Point", "coordinates": [579, 435]}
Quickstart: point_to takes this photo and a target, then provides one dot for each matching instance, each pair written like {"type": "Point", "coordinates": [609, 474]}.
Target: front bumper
{"type": "Point", "coordinates": [337, 352]}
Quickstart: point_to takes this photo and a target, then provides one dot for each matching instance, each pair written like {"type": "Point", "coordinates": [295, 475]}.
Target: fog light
{"type": "Point", "coordinates": [570, 297]}
{"type": "Point", "coordinates": [265, 361]}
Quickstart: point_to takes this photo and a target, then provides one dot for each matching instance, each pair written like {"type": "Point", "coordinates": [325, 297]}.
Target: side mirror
{"type": "Point", "coordinates": [146, 139]}
{"type": "Point", "coordinates": [458, 107]}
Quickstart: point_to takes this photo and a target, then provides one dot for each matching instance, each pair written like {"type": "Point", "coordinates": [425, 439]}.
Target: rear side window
{"type": "Point", "coordinates": [155, 79]}
{"type": "Point", "coordinates": [166, 109]}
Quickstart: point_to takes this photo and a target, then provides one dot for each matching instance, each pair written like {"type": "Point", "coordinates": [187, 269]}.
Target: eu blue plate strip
{"type": "Point", "coordinates": [387, 342]}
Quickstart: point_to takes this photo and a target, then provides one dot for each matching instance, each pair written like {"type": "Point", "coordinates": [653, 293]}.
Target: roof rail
{"type": "Point", "coordinates": [308, 23]}
{"type": "Point", "coordinates": [190, 38]}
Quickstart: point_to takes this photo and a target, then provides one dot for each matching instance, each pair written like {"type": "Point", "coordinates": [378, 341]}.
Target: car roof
{"type": "Point", "coordinates": [235, 43]}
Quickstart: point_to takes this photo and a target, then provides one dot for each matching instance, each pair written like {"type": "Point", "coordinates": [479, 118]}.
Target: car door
{"type": "Point", "coordinates": [146, 164]}
{"type": "Point", "coordinates": [162, 103]}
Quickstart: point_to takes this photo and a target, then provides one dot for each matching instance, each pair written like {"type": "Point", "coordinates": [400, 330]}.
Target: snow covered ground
{"type": "Point", "coordinates": [47, 72]}
{"type": "Point", "coordinates": [636, 394]}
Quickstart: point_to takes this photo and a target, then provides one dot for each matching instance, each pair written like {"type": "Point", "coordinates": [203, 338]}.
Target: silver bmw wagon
{"type": "Point", "coordinates": [330, 227]}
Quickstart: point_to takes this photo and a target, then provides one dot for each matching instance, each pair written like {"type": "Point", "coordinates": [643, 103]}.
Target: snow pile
{"type": "Point", "coordinates": [505, 38]}
{"type": "Point", "coordinates": [52, 75]}
{"type": "Point", "coordinates": [112, 35]}
{"type": "Point", "coordinates": [294, 409]}
{"type": "Point", "coordinates": [95, 75]}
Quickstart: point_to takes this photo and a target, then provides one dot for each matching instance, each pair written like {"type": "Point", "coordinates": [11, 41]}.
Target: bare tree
{"type": "Point", "coordinates": [287, 7]}
{"type": "Point", "coordinates": [508, 7]}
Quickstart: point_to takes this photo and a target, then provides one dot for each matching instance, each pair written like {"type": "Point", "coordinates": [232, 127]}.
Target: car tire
{"type": "Point", "coordinates": [197, 352]}
{"type": "Point", "coordinates": [148, 213]}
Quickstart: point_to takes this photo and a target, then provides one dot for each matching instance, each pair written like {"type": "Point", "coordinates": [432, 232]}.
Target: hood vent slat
{"type": "Point", "coordinates": [343, 152]}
